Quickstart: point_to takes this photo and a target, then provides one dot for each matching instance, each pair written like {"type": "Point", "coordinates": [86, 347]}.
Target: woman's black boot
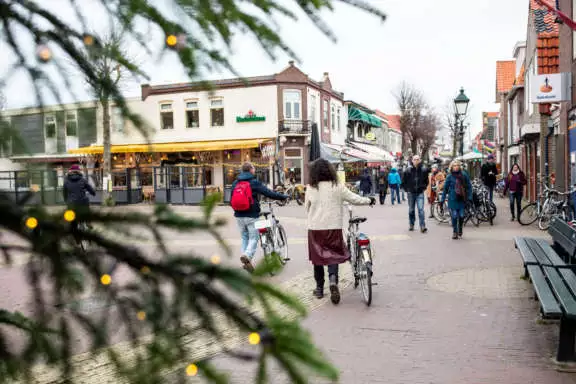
{"type": "Point", "coordinates": [460, 226]}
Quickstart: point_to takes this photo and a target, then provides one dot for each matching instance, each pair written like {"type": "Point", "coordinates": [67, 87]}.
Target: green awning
{"type": "Point", "coordinates": [357, 114]}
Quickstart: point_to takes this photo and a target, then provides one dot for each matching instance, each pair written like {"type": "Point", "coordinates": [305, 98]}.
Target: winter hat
{"type": "Point", "coordinates": [75, 167]}
{"type": "Point", "coordinates": [490, 157]}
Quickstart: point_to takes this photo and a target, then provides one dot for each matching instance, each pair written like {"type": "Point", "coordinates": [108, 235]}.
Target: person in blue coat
{"type": "Point", "coordinates": [458, 190]}
{"type": "Point", "coordinates": [394, 182]}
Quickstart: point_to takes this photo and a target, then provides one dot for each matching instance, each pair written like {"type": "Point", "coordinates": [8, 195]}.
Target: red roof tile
{"type": "Point", "coordinates": [394, 122]}
{"type": "Point", "coordinates": [505, 73]}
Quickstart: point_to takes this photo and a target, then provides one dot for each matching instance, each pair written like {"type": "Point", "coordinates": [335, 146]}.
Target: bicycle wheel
{"type": "Point", "coordinates": [365, 275]}
{"type": "Point", "coordinates": [492, 210]}
{"type": "Point", "coordinates": [281, 244]}
{"type": "Point", "coordinates": [544, 220]}
{"type": "Point", "coordinates": [441, 212]}
{"type": "Point", "coordinates": [528, 215]}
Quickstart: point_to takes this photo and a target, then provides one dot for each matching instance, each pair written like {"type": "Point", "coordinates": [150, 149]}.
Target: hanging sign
{"type": "Point", "coordinates": [551, 88]}
{"type": "Point", "coordinates": [249, 118]}
{"type": "Point", "coordinates": [370, 136]}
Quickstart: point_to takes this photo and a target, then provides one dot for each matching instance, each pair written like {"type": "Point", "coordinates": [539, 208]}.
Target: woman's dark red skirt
{"type": "Point", "coordinates": [327, 246]}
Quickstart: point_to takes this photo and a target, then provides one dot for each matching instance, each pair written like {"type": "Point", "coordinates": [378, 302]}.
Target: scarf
{"type": "Point", "coordinates": [459, 185]}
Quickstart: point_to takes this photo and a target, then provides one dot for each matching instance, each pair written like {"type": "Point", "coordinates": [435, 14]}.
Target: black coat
{"type": "Point", "coordinates": [366, 183]}
{"type": "Point", "coordinates": [489, 179]}
{"type": "Point", "coordinates": [75, 188]}
{"type": "Point", "coordinates": [415, 179]}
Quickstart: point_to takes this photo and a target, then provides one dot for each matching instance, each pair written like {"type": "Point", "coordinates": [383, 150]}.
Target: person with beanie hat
{"type": "Point", "coordinates": [75, 188]}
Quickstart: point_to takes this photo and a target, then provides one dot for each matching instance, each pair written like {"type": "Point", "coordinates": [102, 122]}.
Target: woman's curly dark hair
{"type": "Point", "coordinates": [322, 170]}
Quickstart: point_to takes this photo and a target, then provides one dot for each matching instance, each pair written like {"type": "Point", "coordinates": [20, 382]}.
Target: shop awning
{"type": "Point", "coordinates": [348, 151]}
{"type": "Point", "coordinates": [193, 146]}
{"type": "Point", "coordinates": [376, 151]}
{"type": "Point", "coordinates": [359, 115]}
{"type": "Point", "coordinates": [333, 153]}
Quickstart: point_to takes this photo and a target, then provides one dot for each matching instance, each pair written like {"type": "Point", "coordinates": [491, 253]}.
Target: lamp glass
{"type": "Point", "coordinates": [461, 103]}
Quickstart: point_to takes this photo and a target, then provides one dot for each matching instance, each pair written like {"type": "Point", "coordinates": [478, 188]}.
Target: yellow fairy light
{"type": "Point", "coordinates": [254, 338]}
{"type": "Point", "coordinates": [88, 39]}
{"type": "Point", "coordinates": [215, 259]}
{"type": "Point", "coordinates": [31, 222]}
{"type": "Point", "coordinates": [106, 279]}
{"type": "Point", "coordinates": [141, 315]}
{"type": "Point", "coordinates": [191, 370]}
{"type": "Point", "coordinates": [145, 270]}
{"type": "Point", "coordinates": [171, 40]}
{"type": "Point", "coordinates": [44, 53]}
{"type": "Point", "coordinates": [69, 215]}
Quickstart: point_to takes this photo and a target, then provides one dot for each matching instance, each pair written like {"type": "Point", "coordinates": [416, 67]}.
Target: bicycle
{"type": "Point", "coordinates": [541, 210]}
{"type": "Point", "coordinates": [273, 239]}
{"type": "Point", "coordinates": [360, 249]}
{"type": "Point", "coordinates": [293, 191]}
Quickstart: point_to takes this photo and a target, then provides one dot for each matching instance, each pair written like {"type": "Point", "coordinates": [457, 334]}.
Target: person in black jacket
{"type": "Point", "coordinates": [415, 182]}
{"type": "Point", "coordinates": [366, 183]}
{"type": "Point", "coordinates": [247, 219]}
{"type": "Point", "coordinates": [383, 185]}
{"type": "Point", "coordinates": [75, 188]}
{"type": "Point", "coordinates": [488, 175]}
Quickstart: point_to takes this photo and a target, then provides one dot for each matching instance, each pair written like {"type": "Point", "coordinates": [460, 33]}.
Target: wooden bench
{"type": "Point", "coordinates": [554, 281]}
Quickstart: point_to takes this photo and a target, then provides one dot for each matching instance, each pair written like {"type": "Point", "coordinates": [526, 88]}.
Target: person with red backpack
{"type": "Point", "coordinates": [246, 191]}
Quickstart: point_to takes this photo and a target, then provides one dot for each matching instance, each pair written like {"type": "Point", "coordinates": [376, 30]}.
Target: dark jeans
{"type": "Point", "coordinates": [491, 192]}
{"type": "Point", "coordinates": [395, 191]}
{"type": "Point", "coordinates": [382, 192]}
{"type": "Point", "coordinates": [457, 216]}
{"type": "Point", "coordinates": [518, 197]}
{"type": "Point", "coordinates": [319, 274]}
{"type": "Point", "coordinates": [416, 201]}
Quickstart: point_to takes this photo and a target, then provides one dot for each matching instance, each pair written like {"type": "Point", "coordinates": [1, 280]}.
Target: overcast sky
{"type": "Point", "coordinates": [436, 45]}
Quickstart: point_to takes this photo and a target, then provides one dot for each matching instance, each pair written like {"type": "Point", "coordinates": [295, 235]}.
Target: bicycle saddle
{"type": "Point", "coordinates": [357, 220]}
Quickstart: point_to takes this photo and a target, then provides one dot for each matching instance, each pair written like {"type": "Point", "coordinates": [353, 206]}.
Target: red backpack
{"type": "Point", "coordinates": [242, 199]}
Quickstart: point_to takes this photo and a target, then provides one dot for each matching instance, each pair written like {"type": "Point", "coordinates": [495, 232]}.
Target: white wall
{"type": "Point", "coordinates": [338, 134]}
{"type": "Point", "coordinates": [237, 102]}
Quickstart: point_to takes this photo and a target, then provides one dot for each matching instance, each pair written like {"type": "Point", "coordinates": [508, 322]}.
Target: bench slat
{"type": "Point", "coordinates": [540, 255]}
{"type": "Point", "coordinates": [543, 246]}
{"type": "Point", "coordinates": [563, 294]}
{"type": "Point", "coordinates": [563, 234]}
{"type": "Point", "coordinates": [548, 302]}
{"type": "Point", "coordinates": [525, 252]}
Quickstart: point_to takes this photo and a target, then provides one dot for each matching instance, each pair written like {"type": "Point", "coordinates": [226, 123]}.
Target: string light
{"type": "Point", "coordinates": [254, 338]}
{"type": "Point", "coordinates": [141, 315]}
{"type": "Point", "coordinates": [145, 270]}
{"type": "Point", "coordinates": [31, 222]}
{"type": "Point", "coordinates": [106, 279]}
{"type": "Point", "coordinates": [69, 215]}
{"type": "Point", "coordinates": [191, 370]}
{"type": "Point", "coordinates": [88, 39]}
{"type": "Point", "coordinates": [215, 259]}
{"type": "Point", "coordinates": [44, 53]}
{"type": "Point", "coordinates": [171, 41]}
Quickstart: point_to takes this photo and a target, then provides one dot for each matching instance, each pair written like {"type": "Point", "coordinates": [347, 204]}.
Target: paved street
{"type": "Point", "coordinates": [444, 311]}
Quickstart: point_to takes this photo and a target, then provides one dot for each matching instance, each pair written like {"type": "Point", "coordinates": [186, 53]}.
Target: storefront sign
{"type": "Point", "coordinates": [551, 88]}
{"type": "Point", "coordinates": [249, 118]}
{"type": "Point", "coordinates": [370, 136]}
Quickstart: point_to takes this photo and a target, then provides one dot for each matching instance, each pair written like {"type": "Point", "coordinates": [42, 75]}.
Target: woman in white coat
{"type": "Point", "coordinates": [326, 246]}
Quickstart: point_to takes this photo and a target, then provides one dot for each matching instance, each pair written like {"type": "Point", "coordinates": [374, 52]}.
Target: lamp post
{"type": "Point", "coordinates": [461, 106]}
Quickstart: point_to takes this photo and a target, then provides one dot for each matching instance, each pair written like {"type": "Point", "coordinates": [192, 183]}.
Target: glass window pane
{"type": "Point", "coordinates": [167, 120]}
{"type": "Point", "coordinates": [217, 103]}
{"type": "Point", "coordinates": [192, 104]}
{"type": "Point", "coordinates": [165, 107]}
{"type": "Point", "coordinates": [192, 119]}
{"type": "Point", "coordinates": [71, 128]}
{"type": "Point", "coordinates": [296, 110]}
{"type": "Point", "coordinates": [288, 111]}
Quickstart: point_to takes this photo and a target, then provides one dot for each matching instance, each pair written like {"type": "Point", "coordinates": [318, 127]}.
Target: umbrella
{"type": "Point", "coordinates": [315, 152]}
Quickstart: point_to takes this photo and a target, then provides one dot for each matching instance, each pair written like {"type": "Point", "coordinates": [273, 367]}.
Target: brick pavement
{"type": "Point", "coordinates": [444, 311]}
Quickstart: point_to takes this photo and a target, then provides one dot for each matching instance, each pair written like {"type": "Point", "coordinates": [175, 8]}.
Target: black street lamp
{"type": "Point", "coordinates": [461, 105]}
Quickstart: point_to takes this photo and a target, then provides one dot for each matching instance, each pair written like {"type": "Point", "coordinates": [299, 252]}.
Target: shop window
{"type": "Point", "coordinates": [192, 114]}
{"type": "Point", "coordinates": [217, 113]}
{"type": "Point", "coordinates": [166, 116]}
{"type": "Point", "coordinates": [233, 156]}
{"type": "Point", "coordinates": [293, 165]}
{"type": "Point", "coordinates": [146, 177]}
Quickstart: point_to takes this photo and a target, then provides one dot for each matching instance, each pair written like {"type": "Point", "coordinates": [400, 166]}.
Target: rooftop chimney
{"type": "Point", "coordinates": [291, 63]}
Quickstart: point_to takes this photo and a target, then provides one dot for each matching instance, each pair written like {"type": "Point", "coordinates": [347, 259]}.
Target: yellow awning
{"type": "Point", "coordinates": [193, 146]}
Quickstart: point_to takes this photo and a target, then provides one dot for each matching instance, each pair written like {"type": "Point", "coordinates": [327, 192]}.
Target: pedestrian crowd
{"type": "Point", "coordinates": [413, 183]}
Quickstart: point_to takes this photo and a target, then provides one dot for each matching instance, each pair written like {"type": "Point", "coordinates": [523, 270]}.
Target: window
{"type": "Point", "coordinates": [166, 116]}
{"type": "Point", "coordinates": [217, 113]}
{"type": "Point", "coordinates": [117, 119]}
{"type": "Point", "coordinates": [312, 109]}
{"type": "Point", "coordinates": [50, 126]}
{"type": "Point", "coordinates": [325, 114]}
{"type": "Point", "coordinates": [333, 118]}
{"type": "Point", "coordinates": [293, 164]}
{"type": "Point", "coordinates": [6, 140]}
{"type": "Point", "coordinates": [192, 114]}
{"type": "Point", "coordinates": [71, 123]}
{"type": "Point", "coordinates": [292, 103]}
{"type": "Point", "coordinates": [338, 117]}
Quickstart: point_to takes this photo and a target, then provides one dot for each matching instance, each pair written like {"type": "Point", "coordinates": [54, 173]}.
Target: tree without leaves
{"type": "Point", "coordinates": [59, 272]}
{"type": "Point", "coordinates": [417, 129]}
{"type": "Point", "coordinates": [429, 128]}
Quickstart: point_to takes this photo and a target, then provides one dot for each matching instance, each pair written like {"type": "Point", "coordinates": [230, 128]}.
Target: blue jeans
{"type": "Point", "coordinates": [491, 192]}
{"type": "Point", "coordinates": [395, 191]}
{"type": "Point", "coordinates": [249, 235]}
{"type": "Point", "coordinates": [456, 214]}
{"type": "Point", "coordinates": [515, 197]}
{"type": "Point", "coordinates": [416, 200]}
